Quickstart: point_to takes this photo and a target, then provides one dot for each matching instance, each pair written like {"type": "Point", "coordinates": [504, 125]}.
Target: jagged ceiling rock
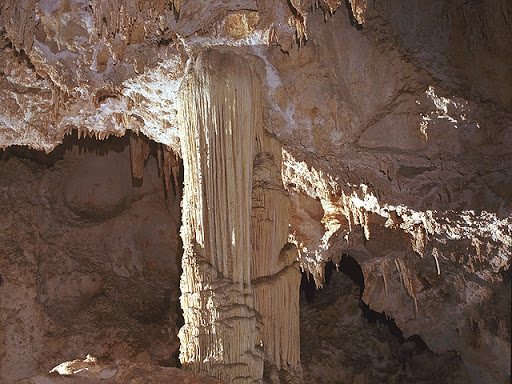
{"type": "Point", "coordinates": [395, 118]}
{"type": "Point", "coordinates": [102, 67]}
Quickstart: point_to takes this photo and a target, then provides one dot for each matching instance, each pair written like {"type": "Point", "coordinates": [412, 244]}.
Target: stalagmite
{"type": "Point", "coordinates": [277, 300]}
{"type": "Point", "coordinates": [239, 279]}
{"type": "Point", "coordinates": [274, 267]}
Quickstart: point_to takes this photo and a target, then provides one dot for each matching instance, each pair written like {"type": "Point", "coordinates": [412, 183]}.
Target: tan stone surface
{"type": "Point", "coordinates": [89, 262]}
{"type": "Point", "coordinates": [394, 117]}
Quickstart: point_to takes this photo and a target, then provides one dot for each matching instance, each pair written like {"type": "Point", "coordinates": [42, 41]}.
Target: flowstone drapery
{"type": "Point", "coordinates": [235, 223]}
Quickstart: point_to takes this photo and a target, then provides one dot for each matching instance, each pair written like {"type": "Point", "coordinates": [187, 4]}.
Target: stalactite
{"type": "Point", "coordinates": [419, 239]}
{"type": "Point", "coordinates": [408, 282]}
{"type": "Point", "coordinates": [272, 37]}
{"type": "Point", "coordinates": [359, 10]}
{"type": "Point", "coordinates": [384, 269]}
{"type": "Point", "coordinates": [300, 23]}
{"type": "Point", "coordinates": [176, 5]}
{"type": "Point", "coordinates": [160, 159]}
{"type": "Point", "coordinates": [399, 272]}
{"type": "Point", "coordinates": [20, 16]}
{"type": "Point", "coordinates": [139, 153]}
{"type": "Point", "coordinates": [218, 117]}
{"type": "Point", "coordinates": [170, 171]}
{"type": "Point", "coordinates": [435, 253]}
{"type": "Point", "coordinates": [111, 19]}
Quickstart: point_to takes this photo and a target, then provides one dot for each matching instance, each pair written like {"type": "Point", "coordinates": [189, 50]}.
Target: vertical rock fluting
{"type": "Point", "coordinates": [139, 153]}
{"type": "Point", "coordinates": [239, 284]}
{"type": "Point", "coordinates": [274, 267]}
{"type": "Point", "coordinates": [219, 117]}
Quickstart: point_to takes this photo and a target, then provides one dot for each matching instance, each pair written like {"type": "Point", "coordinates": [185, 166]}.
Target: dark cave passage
{"type": "Point", "coordinates": [351, 268]}
{"type": "Point", "coordinates": [356, 330]}
{"type": "Point", "coordinates": [308, 286]}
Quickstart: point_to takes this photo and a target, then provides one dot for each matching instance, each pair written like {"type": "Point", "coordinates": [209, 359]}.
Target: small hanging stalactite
{"type": "Point", "coordinates": [170, 170]}
{"type": "Point", "coordinates": [139, 154]}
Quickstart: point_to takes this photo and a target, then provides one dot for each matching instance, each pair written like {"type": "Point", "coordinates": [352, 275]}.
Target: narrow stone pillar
{"type": "Point", "coordinates": [235, 225]}
{"type": "Point", "coordinates": [275, 272]}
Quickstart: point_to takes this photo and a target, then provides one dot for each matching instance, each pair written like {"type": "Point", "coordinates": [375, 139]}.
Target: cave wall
{"type": "Point", "coordinates": [362, 345]}
{"type": "Point", "coordinates": [89, 262]}
{"type": "Point", "coordinates": [394, 118]}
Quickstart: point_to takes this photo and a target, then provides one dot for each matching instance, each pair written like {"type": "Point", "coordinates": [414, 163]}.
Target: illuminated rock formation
{"type": "Point", "coordinates": [379, 130]}
{"type": "Point", "coordinates": [234, 226]}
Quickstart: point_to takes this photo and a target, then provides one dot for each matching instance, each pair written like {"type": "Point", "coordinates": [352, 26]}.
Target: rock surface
{"type": "Point", "coordinates": [92, 372]}
{"type": "Point", "coordinates": [395, 120]}
{"type": "Point", "coordinates": [343, 344]}
{"type": "Point", "coordinates": [89, 263]}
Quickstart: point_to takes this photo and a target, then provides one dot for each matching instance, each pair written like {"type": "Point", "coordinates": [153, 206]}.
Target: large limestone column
{"type": "Point", "coordinates": [235, 224]}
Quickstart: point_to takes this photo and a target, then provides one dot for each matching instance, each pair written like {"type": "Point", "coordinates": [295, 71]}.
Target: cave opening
{"type": "Point", "coordinates": [91, 253]}
{"type": "Point", "coordinates": [351, 268]}
{"type": "Point", "coordinates": [339, 330]}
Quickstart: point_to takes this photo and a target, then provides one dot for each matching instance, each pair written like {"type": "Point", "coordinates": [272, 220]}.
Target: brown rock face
{"type": "Point", "coordinates": [304, 130]}
{"type": "Point", "coordinates": [90, 263]}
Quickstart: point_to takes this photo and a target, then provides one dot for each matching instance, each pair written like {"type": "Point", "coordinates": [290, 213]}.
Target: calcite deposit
{"type": "Point", "coordinates": [279, 136]}
{"type": "Point", "coordinates": [239, 285]}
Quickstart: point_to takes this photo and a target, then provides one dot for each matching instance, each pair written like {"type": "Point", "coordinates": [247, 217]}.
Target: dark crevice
{"type": "Point", "coordinates": [164, 42]}
{"type": "Point", "coordinates": [175, 11]}
{"type": "Point", "coordinates": [339, 318]}
{"type": "Point", "coordinates": [351, 268]}
{"type": "Point", "coordinates": [308, 286]}
{"type": "Point", "coordinates": [23, 56]}
{"type": "Point", "coordinates": [374, 317]}
{"type": "Point", "coordinates": [351, 16]}
{"type": "Point", "coordinates": [85, 145]}
{"type": "Point", "coordinates": [101, 96]}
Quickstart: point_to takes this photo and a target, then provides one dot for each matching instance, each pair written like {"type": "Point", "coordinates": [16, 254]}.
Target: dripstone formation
{"type": "Point", "coordinates": [239, 285]}
{"type": "Point", "coordinates": [174, 174]}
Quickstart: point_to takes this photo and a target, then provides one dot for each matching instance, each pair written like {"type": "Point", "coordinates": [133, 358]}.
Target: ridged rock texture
{"type": "Point", "coordinates": [304, 130]}
{"type": "Point", "coordinates": [227, 241]}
